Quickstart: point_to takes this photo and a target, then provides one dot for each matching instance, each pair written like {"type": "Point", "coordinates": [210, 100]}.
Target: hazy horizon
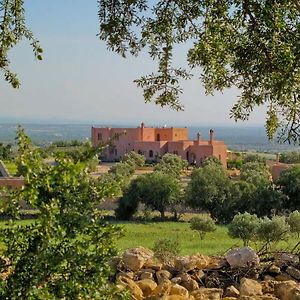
{"type": "Point", "coordinates": [79, 80]}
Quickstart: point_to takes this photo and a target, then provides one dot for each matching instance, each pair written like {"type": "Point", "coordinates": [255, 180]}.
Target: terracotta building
{"type": "Point", "coordinates": [153, 143]}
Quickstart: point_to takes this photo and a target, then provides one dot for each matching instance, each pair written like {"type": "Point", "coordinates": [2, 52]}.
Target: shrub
{"type": "Point", "coordinates": [135, 159]}
{"type": "Point", "coordinates": [244, 226]}
{"type": "Point", "coordinates": [166, 250]}
{"type": "Point", "coordinates": [171, 164]}
{"type": "Point", "coordinates": [254, 158]}
{"type": "Point", "coordinates": [271, 231]}
{"type": "Point", "coordinates": [66, 252]}
{"type": "Point", "coordinates": [211, 160]}
{"type": "Point", "coordinates": [203, 225]}
{"type": "Point", "coordinates": [294, 222]}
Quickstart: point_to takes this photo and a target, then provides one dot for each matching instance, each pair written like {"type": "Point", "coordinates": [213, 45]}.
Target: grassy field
{"type": "Point", "coordinates": [218, 242]}
{"type": "Point", "coordinates": [147, 233]}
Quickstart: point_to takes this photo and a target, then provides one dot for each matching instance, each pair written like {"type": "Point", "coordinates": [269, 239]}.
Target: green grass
{"type": "Point", "coordinates": [147, 233]}
{"type": "Point", "coordinates": [218, 242]}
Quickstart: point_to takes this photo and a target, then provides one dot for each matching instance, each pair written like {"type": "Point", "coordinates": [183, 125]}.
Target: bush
{"type": "Point", "coordinates": [244, 226]}
{"type": "Point", "coordinates": [135, 159]}
{"type": "Point", "coordinates": [294, 222]}
{"type": "Point", "coordinates": [271, 231]}
{"type": "Point", "coordinates": [171, 164]}
{"type": "Point", "coordinates": [203, 225]}
{"type": "Point", "coordinates": [254, 158]}
{"type": "Point", "coordinates": [292, 157]}
{"type": "Point", "coordinates": [166, 250]}
{"type": "Point", "coordinates": [66, 252]}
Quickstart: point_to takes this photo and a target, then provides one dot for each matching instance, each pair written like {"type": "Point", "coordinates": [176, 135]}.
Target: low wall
{"type": "Point", "coordinates": [11, 182]}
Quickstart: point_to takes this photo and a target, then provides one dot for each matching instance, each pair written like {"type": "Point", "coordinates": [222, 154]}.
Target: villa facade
{"type": "Point", "coordinates": [153, 143]}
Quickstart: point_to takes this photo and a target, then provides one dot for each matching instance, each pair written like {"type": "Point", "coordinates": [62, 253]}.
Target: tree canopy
{"type": "Point", "coordinates": [248, 44]}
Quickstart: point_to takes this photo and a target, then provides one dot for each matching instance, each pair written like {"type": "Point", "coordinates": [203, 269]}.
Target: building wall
{"type": "Point", "coordinates": [152, 151]}
{"type": "Point", "coordinates": [163, 134]}
{"type": "Point", "coordinates": [180, 134]}
{"type": "Point", "coordinates": [220, 152]}
{"type": "Point", "coordinates": [198, 153]}
{"type": "Point", "coordinates": [180, 148]}
{"type": "Point", "coordinates": [155, 142]}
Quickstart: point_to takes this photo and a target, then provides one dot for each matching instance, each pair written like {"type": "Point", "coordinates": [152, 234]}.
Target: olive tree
{"type": "Point", "coordinates": [158, 191]}
{"type": "Point", "coordinates": [294, 221]}
{"type": "Point", "coordinates": [209, 190]}
{"type": "Point", "coordinates": [289, 184]}
{"type": "Point", "coordinates": [171, 164]}
{"type": "Point", "coordinates": [203, 225]}
{"type": "Point", "coordinates": [65, 252]}
{"type": "Point", "coordinates": [244, 226]}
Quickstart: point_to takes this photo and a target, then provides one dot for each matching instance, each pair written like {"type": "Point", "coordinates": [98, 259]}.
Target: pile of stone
{"type": "Point", "coordinates": [239, 275]}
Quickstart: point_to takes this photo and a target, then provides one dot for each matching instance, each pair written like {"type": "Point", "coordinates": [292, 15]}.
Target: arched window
{"type": "Point", "coordinates": [150, 153]}
{"type": "Point", "coordinates": [158, 137]}
{"type": "Point", "coordinates": [99, 136]}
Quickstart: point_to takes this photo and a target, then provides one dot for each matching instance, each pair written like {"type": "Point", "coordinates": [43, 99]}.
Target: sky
{"type": "Point", "coordinates": [80, 81]}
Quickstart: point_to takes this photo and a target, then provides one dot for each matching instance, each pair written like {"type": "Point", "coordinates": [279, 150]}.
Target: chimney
{"type": "Point", "coordinates": [142, 131]}
{"type": "Point", "coordinates": [211, 136]}
{"type": "Point", "coordinates": [198, 137]}
{"type": "Point", "coordinates": [277, 158]}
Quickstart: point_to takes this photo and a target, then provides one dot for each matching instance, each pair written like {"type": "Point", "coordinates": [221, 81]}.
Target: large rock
{"type": "Point", "coordinates": [196, 261]}
{"type": "Point", "coordinates": [242, 257]}
{"type": "Point", "coordinates": [287, 290]}
{"type": "Point", "coordinates": [134, 289]}
{"type": "Point", "coordinates": [249, 287]}
{"type": "Point", "coordinates": [147, 286]}
{"type": "Point", "coordinates": [283, 259]}
{"type": "Point", "coordinates": [295, 273]}
{"type": "Point", "coordinates": [207, 294]}
{"type": "Point", "coordinates": [163, 289]}
{"type": "Point", "coordinates": [135, 258]}
{"type": "Point", "coordinates": [162, 276]}
{"type": "Point", "coordinates": [190, 285]}
{"type": "Point", "coordinates": [177, 289]}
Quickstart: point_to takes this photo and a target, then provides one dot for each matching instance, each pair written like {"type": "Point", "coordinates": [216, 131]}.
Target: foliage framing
{"type": "Point", "coordinates": [65, 253]}
{"type": "Point", "coordinates": [248, 44]}
{"type": "Point", "coordinates": [12, 30]}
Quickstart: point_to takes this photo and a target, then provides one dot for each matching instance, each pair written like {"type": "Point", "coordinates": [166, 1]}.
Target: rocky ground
{"type": "Point", "coordinates": [241, 274]}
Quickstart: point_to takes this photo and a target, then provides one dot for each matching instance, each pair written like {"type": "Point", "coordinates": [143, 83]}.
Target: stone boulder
{"type": "Point", "coordinates": [287, 290]}
{"type": "Point", "coordinates": [188, 263]}
{"type": "Point", "coordinates": [283, 259]}
{"type": "Point", "coordinates": [242, 257]}
{"type": "Point", "coordinates": [249, 287]}
{"type": "Point", "coordinates": [207, 294]}
{"type": "Point", "coordinates": [135, 291]}
{"type": "Point", "coordinates": [147, 286]}
{"type": "Point", "coordinates": [135, 258]}
{"type": "Point", "coordinates": [177, 289]}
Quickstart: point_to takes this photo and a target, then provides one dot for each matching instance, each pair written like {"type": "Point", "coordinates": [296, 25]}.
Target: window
{"type": "Point", "coordinates": [116, 136]}
{"type": "Point", "coordinates": [116, 152]}
{"type": "Point", "coordinates": [219, 156]}
{"type": "Point", "coordinates": [150, 153]}
{"type": "Point", "coordinates": [99, 136]}
{"type": "Point", "coordinates": [158, 137]}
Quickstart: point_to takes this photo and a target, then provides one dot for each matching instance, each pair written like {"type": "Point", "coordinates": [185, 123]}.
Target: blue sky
{"type": "Point", "coordinates": [79, 80]}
